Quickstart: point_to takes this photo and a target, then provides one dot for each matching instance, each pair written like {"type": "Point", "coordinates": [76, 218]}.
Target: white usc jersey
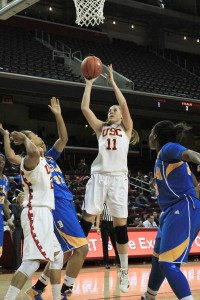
{"type": "Point", "coordinates": [113, 150]}
{"type": "Point", "coordinates": [38, 185]}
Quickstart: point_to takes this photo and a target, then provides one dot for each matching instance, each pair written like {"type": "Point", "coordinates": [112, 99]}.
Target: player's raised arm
{"type": "Point", "coordinates": [32, 152]}
{"type": "Point", "coordinates": [62, 131]}
{"type": "Point", "coordinates": [127, 120]}
{"type": "Point", "coordinates": [191, 156]}
{"type": "Point", "coordinates": [95, 123]}
{"type": "Point", "coordinates": [9, 152]}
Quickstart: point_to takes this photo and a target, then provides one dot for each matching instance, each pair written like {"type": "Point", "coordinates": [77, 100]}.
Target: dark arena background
{"type": "Point", "coordinates": [154, 47]}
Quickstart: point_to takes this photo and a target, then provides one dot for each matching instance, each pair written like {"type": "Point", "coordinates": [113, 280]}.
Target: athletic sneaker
{"type": "Point", "coordinates": [123, 280]}
{"type": "Point", "coordinates": [67, 295]}
{"type": "Point", "coordinates": [34, 294]}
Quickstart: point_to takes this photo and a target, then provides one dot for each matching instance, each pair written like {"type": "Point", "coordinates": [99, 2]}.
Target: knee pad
{"type": "Point", "coordinates": [121, 234]}
{"type": "Point", "coordinates": [57, 264]}
{"type": "Point", "coordinates": [28, 267]}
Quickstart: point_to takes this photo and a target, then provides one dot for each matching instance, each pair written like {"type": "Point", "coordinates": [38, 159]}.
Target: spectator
{"type": "Point", "coordinates": [141, 201]}
{"type": "Point", "coordinates": [144, 216]}
{"type": "Point", "coordinates": [156, 217]}
{"type": "Point", "coordinates": [150, 176]}
{"type": "Point", "coordinates": [139, 175]}
{"type": "Point", "coordinates": [131, 203]}
{"type": "Point", "coordinates": [82, 167]}
{"type": "Point", "coordinates": [137, 223]}
{"type": "Point", "coordinates": [152, 198]}
{"type": "Point", "coordinates": [145, 185]}
{"type": "Point", "coordinates": [149, 222]}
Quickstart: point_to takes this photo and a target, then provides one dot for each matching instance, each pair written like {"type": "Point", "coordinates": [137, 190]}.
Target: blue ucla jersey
{"type": "Point", "coordinates": [66, 225]}
{"type": "Point", "coordinates": [4, 188]}
{"type": "Point", "coordinates": [173, 177]}
{"type": "Point", "coordinates": [61, 190]}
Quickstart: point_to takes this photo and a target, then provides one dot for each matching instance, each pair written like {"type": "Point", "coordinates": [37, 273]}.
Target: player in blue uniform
{"type": "Point", "coordinates": [4, 188]}
{"type": "Point", "coordinates": [67, 227]}
{"type": "Point", "coordinates": [179, 221]}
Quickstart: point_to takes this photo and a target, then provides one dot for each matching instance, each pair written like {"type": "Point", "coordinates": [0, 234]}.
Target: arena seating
{"type": "Point", "coordinates": [149, 72]}
{"type": "Point", "coordinates": [21, 53]}
{"type": "Point", "coordinates": [184, 59]}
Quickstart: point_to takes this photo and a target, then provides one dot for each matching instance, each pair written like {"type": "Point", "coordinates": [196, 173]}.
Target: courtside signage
{"type": "Point", "coordinates": [141, 243]}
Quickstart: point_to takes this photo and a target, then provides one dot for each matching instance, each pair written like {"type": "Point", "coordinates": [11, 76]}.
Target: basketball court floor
{"type": "Point", "coordinates": [97, 283]}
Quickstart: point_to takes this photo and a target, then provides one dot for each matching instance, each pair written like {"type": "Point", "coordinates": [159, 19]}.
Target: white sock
{"type": "Point", "coordinates": [188, 298]}
{"type": "Point", "coordinates": [12, 293]}
{"type": "Point", "coordinates": [56, 291]}
{"type": "Point", "coordinates": [124, 260]}
{"type": "Point", "coordinates": [44, 279]}
{"type": "Point", "coordinates": [69, 281]}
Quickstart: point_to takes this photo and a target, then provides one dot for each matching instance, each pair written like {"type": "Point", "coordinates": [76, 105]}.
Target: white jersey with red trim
{"type": "Point", "coordinates": [113, 150]}
{"type": "Point", "coordinates": [38, 185]}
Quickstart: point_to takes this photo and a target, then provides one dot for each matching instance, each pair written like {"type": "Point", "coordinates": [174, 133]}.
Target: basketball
{"type": "Point", "coordinates": [91, 67]}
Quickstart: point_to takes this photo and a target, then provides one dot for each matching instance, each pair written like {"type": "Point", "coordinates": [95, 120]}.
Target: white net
{"type": "Point", "coordinates": [89, 12]}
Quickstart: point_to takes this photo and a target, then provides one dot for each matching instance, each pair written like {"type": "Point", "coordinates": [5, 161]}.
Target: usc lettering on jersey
{"type": "Point", "coordinates": [113, 150]}
{"type": "Point", "coordinates": [38, 185]}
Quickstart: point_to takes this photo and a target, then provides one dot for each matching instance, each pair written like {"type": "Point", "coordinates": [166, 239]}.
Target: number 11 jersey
{"type": "Point", "coordinates": [113, 150]}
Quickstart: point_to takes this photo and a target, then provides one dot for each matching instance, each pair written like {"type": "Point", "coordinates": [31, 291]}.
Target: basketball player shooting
{"type": "Point", "coordinates": [109, 182]}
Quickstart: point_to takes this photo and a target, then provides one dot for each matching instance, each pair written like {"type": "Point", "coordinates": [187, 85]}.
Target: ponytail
{"type": "Point", "coordinates": [181, 130]}
{"type": "Point", "coordinates": [134, 137]}
{"type": "Point", "coordinates": [167, 131]}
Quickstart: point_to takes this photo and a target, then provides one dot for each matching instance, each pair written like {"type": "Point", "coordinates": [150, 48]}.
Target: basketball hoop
{"type": "Point", "coordinates": [89, 12]}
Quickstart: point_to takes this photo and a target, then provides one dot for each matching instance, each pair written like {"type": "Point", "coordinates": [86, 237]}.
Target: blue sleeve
{"type": "Point", "coordinates": [172, 152]}
{"type": "Point", "coordinates": [18, 179]}
{"type": "Point", "coordinates": [52, 152]}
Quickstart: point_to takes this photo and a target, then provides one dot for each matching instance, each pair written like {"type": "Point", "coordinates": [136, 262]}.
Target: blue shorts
{"type": "Point", "coordinates": [67, 227]}
{"type": "Point", "coordinates": [179, 226]}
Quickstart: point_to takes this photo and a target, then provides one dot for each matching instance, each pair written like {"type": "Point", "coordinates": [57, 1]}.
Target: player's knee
{"type": "Point", "coordinates": [167, 267]}
{"type": "Point", "coordinates": [164, 266]}
{"type": "Point", "coordinates": [121, 234]}
{"type": "Point", "coordinates": [57, 264]}
{"type": "Point", "coordinates": [28, 267]}
{"type": "Point", "coordinates": [81, 251]}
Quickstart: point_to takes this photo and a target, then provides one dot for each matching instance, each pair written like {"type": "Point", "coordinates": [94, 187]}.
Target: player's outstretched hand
{"type": "Point", "coordinates": [109, 75]}
{"type": "Point", "coordinates": [3, 131]}
{"type": "Point", "coordinates": [198, 168]}
{"type": "Point", "coordinates": [55, 106]}
{"type": "Point", "coordinates": [17, 137]}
